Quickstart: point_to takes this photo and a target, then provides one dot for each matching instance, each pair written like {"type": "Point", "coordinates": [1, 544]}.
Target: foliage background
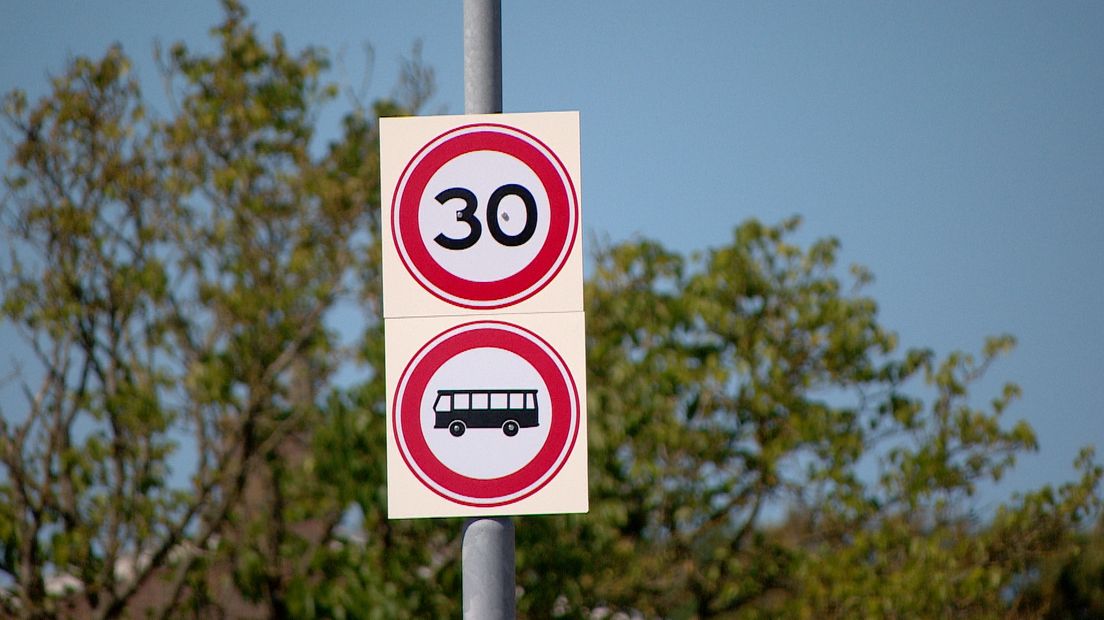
{"type": "Point", "coordinates": [758, 381]}
{"type": "Point", "coordinates": [955, 150]}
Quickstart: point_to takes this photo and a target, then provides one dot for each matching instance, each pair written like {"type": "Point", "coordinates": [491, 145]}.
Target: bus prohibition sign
{"type": "Point", "coordinates": [485, 414]}
{"type": "Point", "coordinates": [484, 215]}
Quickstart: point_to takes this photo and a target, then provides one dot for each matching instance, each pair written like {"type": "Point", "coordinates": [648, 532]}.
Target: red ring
{"type": "Point", "coordinates": [478, 491]}
{"type": "Point", "coordinates": [496, 293]}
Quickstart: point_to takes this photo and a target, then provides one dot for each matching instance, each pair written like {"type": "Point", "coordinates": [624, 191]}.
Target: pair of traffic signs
{"type": "Point", "coordinates": [483, 315]}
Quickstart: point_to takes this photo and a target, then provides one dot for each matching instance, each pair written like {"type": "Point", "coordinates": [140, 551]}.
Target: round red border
{"type": "Point", "coordinates": [563, 224]}
{"type": "Point", "coordinates": [466, 490]}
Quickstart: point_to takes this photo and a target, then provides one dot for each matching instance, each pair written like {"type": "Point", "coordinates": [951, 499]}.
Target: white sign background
{"type": "Point", "coordinates": [487, 260]}
{"type": "Point", "coordinates": [482, 222]}
{"type": "Point", "coordinates": [566, 491]}
{"type": "Point", "coordinates": [403, 141]}
{"type": "Point", "coordinates": [485, 368]}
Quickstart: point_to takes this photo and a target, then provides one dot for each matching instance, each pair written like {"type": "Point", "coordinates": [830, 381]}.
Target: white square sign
{"type": "Point", "coordinates": [486, 416]}
{"type": "Point", "coordinates": [483, 315]}
{"type": "Point", "coordinates": [481, 213]}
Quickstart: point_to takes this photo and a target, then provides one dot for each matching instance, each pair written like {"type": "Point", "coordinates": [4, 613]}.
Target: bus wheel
{"type": "Point", "coordinates": [510, 428]}
{"type": "Point", "coordinates": [456, 427]}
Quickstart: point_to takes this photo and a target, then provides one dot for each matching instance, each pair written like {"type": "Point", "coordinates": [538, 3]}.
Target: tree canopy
{"type": "Point", "coordinates": [760, 445]}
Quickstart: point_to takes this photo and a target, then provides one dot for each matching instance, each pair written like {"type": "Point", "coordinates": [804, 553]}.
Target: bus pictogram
{"type": "Point", "coordinates": [509, 410]}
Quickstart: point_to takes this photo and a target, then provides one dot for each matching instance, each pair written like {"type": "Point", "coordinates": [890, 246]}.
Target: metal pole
{"type": "Point", "coordinates": [488, 567]}
{"type": "Point", "coordinates": [487, 556]}
{"type": "Point", "coordinates": [483, 56]}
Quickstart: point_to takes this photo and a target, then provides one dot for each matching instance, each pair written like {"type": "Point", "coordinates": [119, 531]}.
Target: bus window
{"type": "Point", "coordinates": [443, 402]}
{"type": "Point", "coordinates": [498, 400]}
{"type": "Point", "coordinates": [479, 400]}
{"type": "Point", "coordinates": [461, 401]}
{"type": "Point", "coordinates": [530, 400]}
{"type": "Point", "coordinates": [517, 401]}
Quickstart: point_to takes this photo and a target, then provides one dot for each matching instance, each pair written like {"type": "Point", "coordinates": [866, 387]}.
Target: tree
{"type": "Point", "coordinates": [174, 279]}
{"type": "Point", "coordinates": [759, 445]}
{"type": "Point", "coordinates": [760, 448]}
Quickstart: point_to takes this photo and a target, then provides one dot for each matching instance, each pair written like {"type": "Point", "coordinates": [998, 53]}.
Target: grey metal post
{"type": "Point", "coordinates": [482, 56]}
{"type": "Point", "coordinates": [487, 556]}
{"type": "Point", "coordinates": [488, 566]}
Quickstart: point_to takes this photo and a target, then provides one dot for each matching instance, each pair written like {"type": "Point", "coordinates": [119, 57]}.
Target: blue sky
{"type": "Point", "coordinates": [955, 149]}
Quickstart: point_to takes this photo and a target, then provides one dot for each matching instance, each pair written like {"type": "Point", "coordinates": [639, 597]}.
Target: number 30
{"type": "Point", "coordinates": [475, 229]}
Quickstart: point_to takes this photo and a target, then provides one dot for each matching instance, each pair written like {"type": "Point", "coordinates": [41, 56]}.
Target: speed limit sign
{"type": "Point", "coordinates": [481, 212]}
